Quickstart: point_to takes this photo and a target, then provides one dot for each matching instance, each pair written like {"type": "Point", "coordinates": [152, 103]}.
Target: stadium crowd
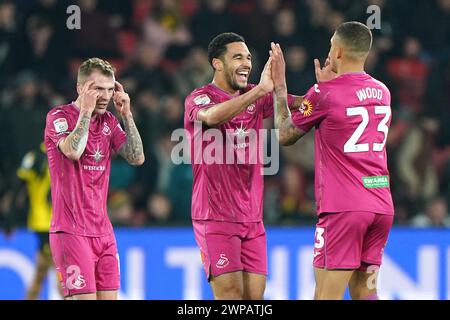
{"type": "Point", "coordinates": [159, 50]}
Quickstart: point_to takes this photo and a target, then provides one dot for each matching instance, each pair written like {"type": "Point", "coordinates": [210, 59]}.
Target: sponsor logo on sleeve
{"type": "Point", "coordinates": [202, 100]}
{"type": "Point", "coordinates": [306, 108]}
{"type": "Point", "coordinates": [60, 125]}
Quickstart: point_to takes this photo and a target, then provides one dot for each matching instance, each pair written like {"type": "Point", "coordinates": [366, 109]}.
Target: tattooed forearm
{"type": "Point", "coordinates": [132, 150]}
{"type": "Point", "coordinates": [288, 133]}
{"type": "Point", "coordinates": [78, 137]}
{"type": "Point", "coordinates": [74, 144]}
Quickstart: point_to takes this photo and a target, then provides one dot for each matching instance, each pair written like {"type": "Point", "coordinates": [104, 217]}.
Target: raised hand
{"type": "Point", "coordinates": [325, 73]}
{"type": "Point", "coordinates": [266, 82]}
{"type": "Point", "coordinates": [278, 66]}
{"type": "Point", "coordinates": [121, 100]}
{"type": "Point", "coordinates": [88, 97]}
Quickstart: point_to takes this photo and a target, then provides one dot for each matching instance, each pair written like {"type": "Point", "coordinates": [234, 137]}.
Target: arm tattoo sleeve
{"type": "Point", "coordinates": [77, 139]}
{"type": "Point", "coordinates": [288, 133]}
{"type": "Point", "coordinates": [132, 150]}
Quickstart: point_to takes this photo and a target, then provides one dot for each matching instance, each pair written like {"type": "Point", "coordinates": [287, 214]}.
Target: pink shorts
{"type": "Point", "coordinates": [228, 247]}
{"type": "Point", "coordinates": [350, 240]}
{"type": "Point", "coordinates": [85, 264]}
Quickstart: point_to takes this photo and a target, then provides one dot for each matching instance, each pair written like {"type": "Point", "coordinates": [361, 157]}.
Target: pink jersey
{"type": "Point", "coordinates": [352, 115]}
{"type": "Point", "coordinates": [231, 192]}
{"type": "Point", "coordinates": [80, 188]}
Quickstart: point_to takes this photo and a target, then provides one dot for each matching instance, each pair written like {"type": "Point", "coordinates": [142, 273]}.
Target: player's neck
{"type": "Point", "coordinates": [350, 67]}
{"type": "Point", "coordinates": [223, 85]}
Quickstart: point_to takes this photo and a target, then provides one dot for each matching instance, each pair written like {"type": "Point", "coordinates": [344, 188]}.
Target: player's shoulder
{"type": "Point", "coordinates": [320, 90]}
{"type": "Point", "coordinates": [202, 95]}
{"type": "Point", "coordinates": [60, 110]}
{"type": "Point", "coordinates": [380, 83]}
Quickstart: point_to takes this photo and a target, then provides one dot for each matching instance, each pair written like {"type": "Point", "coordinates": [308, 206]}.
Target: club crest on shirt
{"type": "Point", "coordinates": [251, 108]}
{"type": "Point", "coordinates": [106, 130]}
{"type": "Point", "coordinates": [306, 108]}
{"type": "Point", "coordinates": [60, 125]}
{"type": "Point", "coordinates": [202, 100]}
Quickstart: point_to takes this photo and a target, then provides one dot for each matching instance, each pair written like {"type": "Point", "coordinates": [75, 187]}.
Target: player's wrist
{"type": "Point", "coordinates": [127, 115]}
{"type": "Point", "coordinates": [262, 90]}
{"type": "Point", "coordinates": [86, 110]}
{"type": "Point", "coordinates": [280, 89]}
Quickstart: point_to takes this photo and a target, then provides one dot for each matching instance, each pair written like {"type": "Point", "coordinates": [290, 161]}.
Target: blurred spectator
{"type": "Point", "coordinates": [41, 52]}
{"type": "Point", "coordinates": [335, 19]}
{"type": "Point", "coordinates": [146, 72]}
{"type": "Point", "coordinates": [299, 74]}
{"type": "Point", "coordinates": [95, 39]}
{"type": "Point", "coordinates": [122, 175]}
{"type": "Point", "coordinates": [372, 65]}
{"type": "Point", "coordinates": [163, 153]}
{"type": "Point", "coordinates": [436, 215]}
{"type": "Point", "coordinates": [119, 12]}
{"type": "Point", "coordinates": [165, 30]}
{"type": "Point", "coordinates": [159, 209]}
{"type": "Point", "coordinates": [315, 32]}
{"type": "Point", "coordinates": [292, 203]}
{"type": "Point", "coordinates": [258, 29]}
{"type": "Point", "coordinates": [8, 32]}
{"type": "Point", "coordinates": [438, 39]}
{"type": "Point", "coordinates": [388, 21]}
{"type": "Point", "coordinates": [23, 118]}
{"type": "Point", "coordinates": [120, 208]}
{"type": "Point", "coordinates": [213, 18]}
{"type": "Point", "coordinates": [180, 193]}
{"type": "Point", "coordinates": [173, 110]}
{"type": "Point", "coordinates": [409, 74]}
{"type": "Point", "coordinates": [194, 72]}
{"type": "Point", "coordinates": [54, 12]}
{"type": "Point", "coordinates": [285, 27]}
{"type": "Point", "coordinates": [301, 153]}
{"type": "Point", "coordinates": [415, 168]}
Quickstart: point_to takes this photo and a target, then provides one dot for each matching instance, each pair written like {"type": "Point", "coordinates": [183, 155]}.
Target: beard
{"type": "Point", "coordinates": [231, 80]}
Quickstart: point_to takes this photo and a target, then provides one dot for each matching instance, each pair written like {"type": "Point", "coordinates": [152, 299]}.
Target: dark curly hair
{"type": "Point", "coordinates": [217, 46]}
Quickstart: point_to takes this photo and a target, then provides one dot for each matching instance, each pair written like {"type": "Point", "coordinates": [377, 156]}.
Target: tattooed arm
{"type": "Point", "coordinates": [74, 144]}
{"type": "Point", "coordinates": [132, 150]}
{"type": "Point", "coordinates": [288, 133]}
